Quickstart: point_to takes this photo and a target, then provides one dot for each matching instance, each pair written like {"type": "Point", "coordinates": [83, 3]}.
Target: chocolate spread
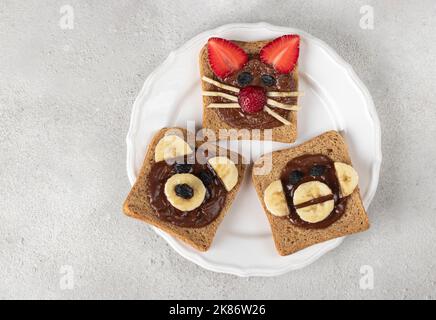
{"type": "Point", "coordinates": [304, 164]}
{"type": "Point", "coordinates": [207, 212]}
{"type": "Point", "coordinates": [259, 120]}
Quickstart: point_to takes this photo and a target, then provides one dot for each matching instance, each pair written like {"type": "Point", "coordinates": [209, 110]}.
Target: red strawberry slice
{"type": "Point", "coordinates": [282, 53]}
{"type": "Point", "coordinates": [225, 57]}
{"type": "Point", "coordinates": [252, 99]}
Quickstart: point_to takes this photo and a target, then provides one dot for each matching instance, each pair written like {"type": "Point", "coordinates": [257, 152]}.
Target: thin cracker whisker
{"type": "Point", "coordinates": [284, 93]}
{"type": "Point", "coordinates": [219, 84]}
{"type": "Point", "coordinates": [220, 94]}
{"type": "Point", "coordinates": [223, 106]}
{"type": "Point", "coordinates": [276, 104]}
{"type": "Point", "coordinates": [277, 116]}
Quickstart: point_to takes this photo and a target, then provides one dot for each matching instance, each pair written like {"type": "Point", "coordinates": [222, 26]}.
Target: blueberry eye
{"type": "Point", "coordinates": [295, 176]}
{"type": "Point", "coordinates": [183, 167]}
{"type": "Point", "coordinates": [268, 80]}
{"type": "Point", "coordinates": [206, 177]}
{"type": "Point", "coordinates": [317, 170]}
{"type": "Point", "coordinates": [244, 78]}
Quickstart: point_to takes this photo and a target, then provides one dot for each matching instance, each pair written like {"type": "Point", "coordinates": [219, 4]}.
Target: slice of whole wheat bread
{"type": "Point", "coordinates": [137, 204]}
{"type": "Point", "coordinates": [289, 238]}
{"type": "Point", "coordinates": [212, 121]}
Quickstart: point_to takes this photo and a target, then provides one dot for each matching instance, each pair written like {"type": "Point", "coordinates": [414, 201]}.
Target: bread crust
{"type": "Point", "coordinates": [211, 120]}
{"type": "Point", "coordinates": [137, 204]}
{"type": "Point", "coordinates": [289, 238]}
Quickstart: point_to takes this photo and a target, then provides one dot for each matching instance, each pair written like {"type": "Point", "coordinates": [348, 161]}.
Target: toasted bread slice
{"type": "Point", "coordinates": [137, 204]}
{"type": "Point", "coordinates": [289, 238]}
{"type": "Point", "coordinates": [212, 121]}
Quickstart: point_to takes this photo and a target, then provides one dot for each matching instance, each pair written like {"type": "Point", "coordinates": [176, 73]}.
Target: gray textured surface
{"type": "Point", "coordinates": [65, 102]}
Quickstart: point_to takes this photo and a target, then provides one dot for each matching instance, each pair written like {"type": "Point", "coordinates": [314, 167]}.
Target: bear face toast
{"type": "Point", "coordinates": [311, 193]}
{"type": "Point", "coordinates": [185, 189]}
{"type": "Point", "coordinates": [251, 85]}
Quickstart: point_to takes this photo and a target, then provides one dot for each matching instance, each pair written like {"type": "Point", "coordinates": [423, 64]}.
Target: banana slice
{"type": "Point", "coordinates": [171, 146]}
{"type": "Point", "coordinates": [275, 200]}
{"type": "Point", "coordinates": [316, 212]}
{"type": "Point", "coordinates": [226, 170]}
{"type": "Point", "coordinates": [183, 204]}
{"type": "Point", "coordinates": [309, 191]}
{"type": "Point", "coordinates": [347, 177]}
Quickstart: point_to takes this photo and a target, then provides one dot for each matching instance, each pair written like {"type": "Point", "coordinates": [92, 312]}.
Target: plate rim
{"type": "Point", "coordinates": [375, 170]}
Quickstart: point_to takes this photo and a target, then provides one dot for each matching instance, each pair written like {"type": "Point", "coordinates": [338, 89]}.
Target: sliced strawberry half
{"type": "Point", "coordinates": [225, 57]}
{"type": "Point", "coordinates": [282, 53]}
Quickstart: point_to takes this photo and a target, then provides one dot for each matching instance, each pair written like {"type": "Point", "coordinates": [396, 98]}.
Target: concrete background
{"type": "Point", "coordinates": [65, 102]}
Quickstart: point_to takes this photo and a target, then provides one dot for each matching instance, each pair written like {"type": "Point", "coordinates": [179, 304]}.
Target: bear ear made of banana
{"type": "Point", "coordinates": [186, 191]}
{"type": "Point", "coordinates": [171, 146]}
{"type": "Point", "coordinates": [305, 193]}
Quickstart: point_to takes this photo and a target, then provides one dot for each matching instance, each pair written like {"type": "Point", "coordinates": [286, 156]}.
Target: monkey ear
{"type": "Point", "coordinates": [282, 53]}
{"type": "Point", "coordinates": [347, 178]}
{"type": "Point", "coordinates": [225, 57]}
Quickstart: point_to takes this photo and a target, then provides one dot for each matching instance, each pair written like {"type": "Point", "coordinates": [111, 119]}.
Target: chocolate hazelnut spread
{"type": "Point", "coordinates": [303, 165]}
{"type": "Point", "coordinates": [207, 212]}
{"type": "Point", "coordinates": [259, 120]}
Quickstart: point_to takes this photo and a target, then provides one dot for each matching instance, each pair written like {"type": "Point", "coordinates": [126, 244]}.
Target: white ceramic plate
{"type": "Point", "coordinates": [334, 99]}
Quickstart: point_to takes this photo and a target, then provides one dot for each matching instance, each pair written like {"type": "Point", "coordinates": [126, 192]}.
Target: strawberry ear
{"type": "Point", "coordinates": [282, 53]}
{"type": "Point", "coordinates": [225, 57]}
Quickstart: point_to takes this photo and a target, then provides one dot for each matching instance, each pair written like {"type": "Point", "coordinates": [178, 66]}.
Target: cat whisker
{"type": "Point", "coordinates": [270, 102]}
{"type": "Point", "coordinates": [220, 85]}
{"type": "Point", "coordinates": [236, 90]}
{"type": "Point", "coordinates": [277, 116]}
{"type": "Point", "coordinates": [220, 94]}
{"type": "Point", "coordinates": [223, 106]}
{"type": "Point", "coordinates": [276, 104]}
{"type": "Point", "coordinates": [285, 93]}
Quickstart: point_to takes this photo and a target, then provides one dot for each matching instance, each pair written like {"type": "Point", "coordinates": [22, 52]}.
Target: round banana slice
{"type": "Point", "coordinates": [226, 170]}
{"type": "Point", "coordinates": [316, 212]}
{"type": "Point", "coordinates": [310, 191]}
{"type": "Point", "coordinates": [171, 146]}
{"type": "Point", "coordinates": [183, 204]}
{"type": "Point", "coordinates": [347, 177]}
{"type": "Point", "coordinates": [275, 200]}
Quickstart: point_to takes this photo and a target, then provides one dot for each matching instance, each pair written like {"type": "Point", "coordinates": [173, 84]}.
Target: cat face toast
{"type": "Point", "coordinates": [251, 85]}
{"type": "Point", "coordinates": [182, 194]}
{"type": "Point", "coordinates": [310, 195]}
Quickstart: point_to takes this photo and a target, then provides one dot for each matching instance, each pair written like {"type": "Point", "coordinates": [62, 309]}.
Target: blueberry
{"type": "Point", "coordinates": [317, 170]}
{"type": "Point", "coordinates": [184, 191]}
{"type": "Point", "coordinates": [206, 177]}
{"type": "Point", "coordinates": [183, 167]}
{"type": "Point", "coordinates": [295, 176]}
{"type": "Point", "coordinates": [268, 80]}
{"type": "Point", "coordinates": [244, 78]}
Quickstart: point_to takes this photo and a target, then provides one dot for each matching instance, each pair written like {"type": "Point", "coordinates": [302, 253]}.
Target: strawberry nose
{"type": "Point", "coordinates": [252, 99]}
